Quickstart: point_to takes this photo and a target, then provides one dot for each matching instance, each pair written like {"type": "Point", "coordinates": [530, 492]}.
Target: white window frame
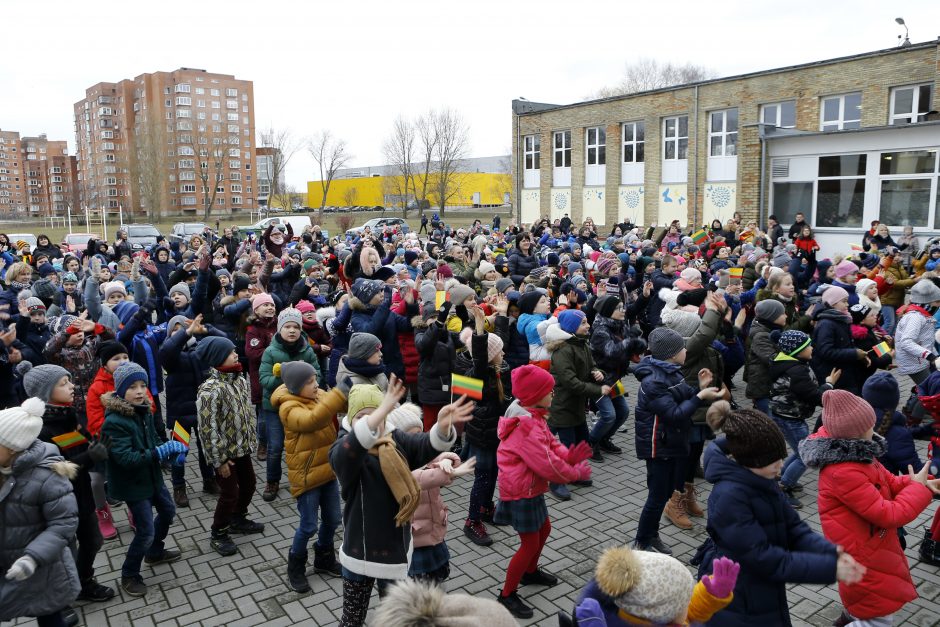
{"type": "Point", "coordinates": [728, 138]}
{"type": "Point", "coordinates": [676, 138]}
{"type": "Point", "coordinates": [842, 122]}
{"type": "Point", "coordinates": [918, 110]}
{"type": "Point", "coordinates": [630, 140]}
{"type": "Point", "coordinates": [595, 155]}
{"type": "Point", "coordinates": [778, 113]}
{"type": "Point", "coordinates": [561, 154]}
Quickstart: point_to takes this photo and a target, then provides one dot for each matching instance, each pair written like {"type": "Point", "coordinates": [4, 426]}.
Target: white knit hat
{"type": "Point", "coordinates": [20, 426]}
{"type": "Point", "coordinates": [405, 417]}
{"type": "Point", "coordinates": [494, 344]}
{"type": "Point", "coordinates": [650, 586]}
{"type": "Point", "coordinates": [114, 286]}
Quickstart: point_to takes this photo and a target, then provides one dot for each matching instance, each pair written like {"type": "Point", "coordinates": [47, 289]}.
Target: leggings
{"type": "Point", "coordinates": [97, 488]}
{"type": "Point", "coordinates": [484, 481]}
{"type": "Point", "coordinates": [526, 559]}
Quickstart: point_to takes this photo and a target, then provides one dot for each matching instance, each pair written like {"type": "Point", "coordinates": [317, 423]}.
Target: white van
{"type": "Point", "coordinates": [298, 223]}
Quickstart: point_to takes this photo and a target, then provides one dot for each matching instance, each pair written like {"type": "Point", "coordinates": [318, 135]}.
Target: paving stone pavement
{"type": "Point", "coordinates": [250, 588]}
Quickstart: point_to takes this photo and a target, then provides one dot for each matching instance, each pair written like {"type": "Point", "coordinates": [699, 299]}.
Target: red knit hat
{"type": "Point", "coordinates": [846, 416]}
{"type": "Point", "coordinates": [530, 384]}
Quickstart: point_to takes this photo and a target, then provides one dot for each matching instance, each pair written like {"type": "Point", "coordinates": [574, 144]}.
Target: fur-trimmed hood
{"type": "Point", "coordinates": [357, 305]}
{"type": "Point", "coordinates": [413, 603]}
{"type": "Point", "coordinates": [118, 405]}
{"type": "Point", "coordinates": [325, 314]}
{"type": "Point", "coordinates": [820, 451]}
{"type": "Point", "coordinates": [45, 455]}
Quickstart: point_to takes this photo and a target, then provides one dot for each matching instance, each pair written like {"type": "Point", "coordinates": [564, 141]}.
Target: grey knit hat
{"type": "Point", "coordinates": [296, 374]}
{"type": "Point", "coordinates": [125, 376]}
{"type": "Point", "coordinates": [769, 310]}
{"type": "Point", "coordinates": [289, 315]}
{"type": "Point", "coordinates": [183, 289]}
{"type": "Point", "coordinates": [34, 304]}
{"type": "Point", "coordinates": [665, 343]}
{"type": "Point", "coordinates": [39, 381]}
{"type": "Point", "coordinates": [504, 285]}
{"type": "Point", "coordinates": [459, 293]}
{"type": "Point", "coordinates": [363, 345]}
{"type": "Point", "coordinates": [924, 293]}
{"type": "Point", "coordinates": [366, 289]}
{"type": "Point", "coordinates": [214, 350]}
{"type": "Point", "coordinates": [63, 322]}
{"type": "Point", "coordinates": [175, 320]}
{"type": "Point", "coordinates": [44, 289]}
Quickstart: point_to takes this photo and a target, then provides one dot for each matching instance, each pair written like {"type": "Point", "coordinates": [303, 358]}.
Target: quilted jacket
{"type": "Point", "coordinates": [227, 426]}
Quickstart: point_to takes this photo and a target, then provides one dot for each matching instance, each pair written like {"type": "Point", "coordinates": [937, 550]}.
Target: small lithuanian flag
{"type": "Point", "coordinates": [69, 440]}
{"type": "Point", "coordinates": [466, 386]}
{"type": "Point", "coordinates": [699, 236]}
{"type": "Point", "coordinates": [736, 273]}
{"type": "Point", "coordinates": [180, 433]}
{"type": "Point", "coordinates": [882, 349]}
{"type": "Point", "coordinates": [617, 389]}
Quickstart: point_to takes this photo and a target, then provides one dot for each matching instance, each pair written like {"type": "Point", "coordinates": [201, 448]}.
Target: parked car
{"type": "Point", "coordinates": [297, 222]}
{"type": "Point", "coordinates": [76, 242]}
{"type": "Point", "coordinates": [376, 224]}
{"type": "Point", "coordinates": [184, 231]}
{"type": "Point", "coordinates": [141, 236]}
{"type": "Point", "coordinates": [29, 238]}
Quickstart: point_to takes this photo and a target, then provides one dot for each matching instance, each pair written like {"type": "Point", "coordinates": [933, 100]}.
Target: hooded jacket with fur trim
{"type": "Point", "coordinates": [133, 470]}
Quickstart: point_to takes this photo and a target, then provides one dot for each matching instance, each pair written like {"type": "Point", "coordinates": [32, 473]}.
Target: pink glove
{"type": "Point", "coordinates": [724, 575]}
{"type": "Point", "coordinates": [584, 472]}
{"type": "Point", "coordinates": [579, 452]}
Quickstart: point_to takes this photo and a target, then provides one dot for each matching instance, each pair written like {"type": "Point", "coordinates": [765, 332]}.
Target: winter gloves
{"type": "Point", "coordinates": [22, 568]}
{"type": "Point", "coordinates": [168, 449]}
{"type": "Point", "coordinates": [724, 575]}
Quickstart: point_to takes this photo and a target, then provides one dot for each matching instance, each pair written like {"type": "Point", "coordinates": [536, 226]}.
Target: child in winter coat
{"type": "Point", "coordinates": [437, 348]}
{"type": "Point", "coordinates": [930, 397]}
{"type": "Point", "coordinates": [750, 522]}
{"type": "Point", "coordinates": [134, 473]}
{"type": "Point", "coordinates": [362, 364]}
{"type": "Point", "coordinates": [631, 587]}
{"type": "Point", "coordinates": [529, 457]}
{"type": "Point", "coordinates": [862, 505]}
{"type": "Point", "coordinates": [374, 467]}
{"type": "Point", "coordinates": [770, 316]}
{"type": "Point", "coordinates": [262, 325]}
{"type": "Point", "coordinates": [223, 411]}
{"type": "Point", "coordinates": [309, 418]}
{"type": "Point", "coordinates": [32, 329]}
{"type": "Point", "coordinates": [914, 341]}
{"type": "Point", "coordinates": [866, 335]}
{"type": "Point", "coordinates": [794, 396]}
{"type": "Point", "coordinates": [74, 346]}
{"type": "Point", "coordinates": [39, 577]}
{"type": "Point", "coordinates": [534, 310]}
{"type": "Point", "coordinates": [832, 342]}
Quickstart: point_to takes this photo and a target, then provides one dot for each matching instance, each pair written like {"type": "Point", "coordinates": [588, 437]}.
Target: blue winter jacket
{"type": "Point", "coordinates": [384, 324]}
{"type": "Point", "coordinates": [665, 404]}
{"type": "Point", "coordinates": [528, 326]}
{"type": "Point", "coordinates": [184, 372]}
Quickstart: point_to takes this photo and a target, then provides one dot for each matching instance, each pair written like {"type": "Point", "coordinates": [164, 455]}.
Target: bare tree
{"type": "Point", "coordinates": [210, 148]}
{"type": "Point", "coordinates": [149, 163]}
{"type": "Point", "coordinates": [426, 139]}
{"type": "Point", "coordinates": [398, 150]}
{"type": "Point", "coordinates": [281, 146]}
{"type": "Point", "coordinates": [450, 150]}
{"type": "Point", "coordinates": [284, 198]}
{"type": "Point", "coordinates": [331, 155]}
{"type": "Point", "coordinates": [646, 74]}
{"type": "Point", "coordinates": [350, 196]}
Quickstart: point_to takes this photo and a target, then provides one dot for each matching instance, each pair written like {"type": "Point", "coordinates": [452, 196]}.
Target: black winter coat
{"type": "Point", "coordinates": [664, 408]}
{"type": "Point", "coordinates": [612, 346]}
{"type": "Point", "coordinates": [795, 392]}
{"type": "Point", "coordinates": [516, 349]}
{"type": "Point", "coordinates": [521, 265]}
{"type": "Point", "coordinates": [761, 351]}
{"type": "Point", "coordinates": [437, 348]}
{"type": "Point", "coordinates": [481, 431]}
{"type": "Point", "coordinates": [833, 348]}
{"type": "Point", "coordinates": [185, 373]}
{"type": "Point", "coordinates": [655, 308]}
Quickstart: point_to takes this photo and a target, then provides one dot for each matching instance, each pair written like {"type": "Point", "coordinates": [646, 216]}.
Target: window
{"type": "Point", "coordinates": [201, 104]}
{"type": "Point", "coordinates": [188, 201]}
{"type": "Point", "coordinates": [633, 140]}
{"type": "Point", "coordinates": [676, 138]}
{"type": "Point", "coordinates": [596, 144]}
{"type": "Point", "coordinates": [184, 101]}
{"type": "Point", "coordinates": [236, 200]}
{"type": "Point", "coordinates": [231, 104]}
{"type": "Point", "coordinates": [107, 134]}
{"type": "Point", "coordinates": [910, 104]}
{"type": "Point", "coordinates": [200, 115]}
{"type": "Point", "coordinates": [182, 88]}
{"type": "Point", "coordinates": [562, 149]}
{"type": "Point", "coordinates": [187, 176]}
{"type": "Point", "coordinates": [780, 114]}
{"type": "Point", "coordinates": [906, 180]}
{"type": "Point", "coordinates": [723, 133]}
{"type": "Point", "coordinates": [531, 150]}
{"type": "Point", "coordinates": [233, 128]}
{"type": "Point", "coordinates": [232, 117]}
{"type": "Point", "coordinates": [236, 188]}
{"type": "Point", "coordinates": [841, 112]}
{"type": "Point", "coordinates": [214, 92]}
{"type": "Point", "coordinates": [216, 104]}
{"type": "Point", "coordinates": [200, 91]}
{"type": "Point", "coordinates": [235, 176]}
{"type": "Point", "coordinates": [186, 151]}
{"type": "Point", "coordinates": [231, 93]}
{"type": "Point", "coordinates": [234, 165]}
{"type": "Point", "coordinates": [186, 163]}
{"type": "Point", "coordinates": [840, 191]}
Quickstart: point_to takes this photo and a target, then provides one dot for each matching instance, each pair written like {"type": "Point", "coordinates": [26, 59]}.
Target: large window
{"type": "Point", "coordinates": [906, 187]}
{"type": "Point", "coordinates": [840, 191]}
{"type": "Point", "coordinates": [562, 149]}
{"type": "Point", "coordinates": [837, 113]}
{"type": "Point", "coordinates": [780, 114]}
{"type": "Point", "coordinates": [532, 145]}
{"type": "Point", "coordinates": [676, 138]}
{"type": "Point", "coordinates": [596, 145]}
{"type": "Point", "coordinates": [633, 140]}
{"type": "Point", "coordinates": [791, 199]}
{"type": "Point", "coordinates": [910, 104]}
{"type": "Point", "coordinates": [723, 133]}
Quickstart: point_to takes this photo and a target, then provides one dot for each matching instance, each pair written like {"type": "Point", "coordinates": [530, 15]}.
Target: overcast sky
{"type": "Point", "coordinates": [352, 67]}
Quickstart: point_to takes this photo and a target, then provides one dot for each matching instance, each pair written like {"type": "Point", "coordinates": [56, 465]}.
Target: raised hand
{"type": "Point", "coordinates": [723, 578]}
{"type": "Point", "coordinates": [461, 411]}
{"type": "Point", "coordinates": [8, 336]}
{"type": "Point", "coordinates": [705, 378]}
{"type": "Point", "coordinates": [196, 327]}
{"type": "Point", "coordinates": [465, 468]}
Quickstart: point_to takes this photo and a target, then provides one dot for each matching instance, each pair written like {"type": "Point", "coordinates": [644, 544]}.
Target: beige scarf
{"type": "Point", "coordinates": [398, 477]}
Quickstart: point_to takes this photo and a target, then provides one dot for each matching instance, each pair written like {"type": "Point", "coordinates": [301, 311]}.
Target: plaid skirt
{"type": "Point", "coordinates": [428, 559]}
{"type": "Point", "coordinates": [524, 515]}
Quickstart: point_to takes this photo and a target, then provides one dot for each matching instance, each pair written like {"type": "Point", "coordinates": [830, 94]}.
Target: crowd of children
{"type": "Point", "coordinates": [380, 368]}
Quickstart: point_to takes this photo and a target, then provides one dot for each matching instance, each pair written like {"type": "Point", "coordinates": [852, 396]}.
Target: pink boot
{"type": "Point", "coordinates": [106, 524]}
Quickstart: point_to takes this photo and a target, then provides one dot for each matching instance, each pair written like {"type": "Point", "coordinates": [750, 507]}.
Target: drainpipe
{"type": "Point", "coordinates": [517, 193]}
{"type": "Point", "coordinates": [763, 166]}
{"type": "Point", "coordinates": [695, 163]}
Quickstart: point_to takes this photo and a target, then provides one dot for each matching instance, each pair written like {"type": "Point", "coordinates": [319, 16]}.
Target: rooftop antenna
{"type": "Point", "coordinates": [907, 39]}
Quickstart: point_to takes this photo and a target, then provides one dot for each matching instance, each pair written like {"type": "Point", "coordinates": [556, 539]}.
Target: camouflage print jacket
{"type": "Point", "coordinates": [226, 417]}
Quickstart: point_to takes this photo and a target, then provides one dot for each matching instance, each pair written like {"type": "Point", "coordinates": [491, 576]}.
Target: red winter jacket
{"type": "Point", "coordinates": [94, 410]}
{"type": "Point", "coordinates": [861, 506]}
{"type": "Point", "coordinates": [257, 338]}
{"type": "Point", "coordinates": [406, 340]}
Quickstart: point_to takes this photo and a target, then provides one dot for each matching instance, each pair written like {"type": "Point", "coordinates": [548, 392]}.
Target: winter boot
{"type": "Point", "coordinates": [270, 491]}
{"type": "Point", "coordinates": [930, 549]}
{"type": "Point", "coordinates": [596, 455]}
{"type": "Point", "coordinates": [262, 452]}
{"type": "Point", "coordinates": [179, 496]}
{"type": "Point", "coordinates": [675, 511]}
{"type": "Point", "coordinates": [356, 596]}
{"type": "Point", "coordinates": [106, 524]}
{"type": "Point", "coordinates": [324, 561]}
{"type": "Point", "coordinates": [222, 543]}
{"type": "Point", "coordinates": [476, 531]}
{"type": "Point", "coordinates": [691, 505]}
{"type": "Point", "coordinates": [296, 567]}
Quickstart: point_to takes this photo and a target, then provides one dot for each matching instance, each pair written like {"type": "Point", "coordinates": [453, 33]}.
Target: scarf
{"type": "Point", "coordinates": [783, 299]}
{"type": "Point", "coordinates": [231, 369]}
{"type": "Point", "coordinates": [18, 285]}
{"type": "Point", "coordinates": [309, 327]}
{"type": "Point", "coordinates": [295, 347]}
{"type": "Point", "coordinates": [398, 477]}
{"type": "Point", "coordinates": [364, 368]}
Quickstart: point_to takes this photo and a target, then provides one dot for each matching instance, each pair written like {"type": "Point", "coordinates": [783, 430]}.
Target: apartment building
{"type": "Point", "coordinates": [845, 141]}
{"type": "Point", "coordinates": [37, 177]}
{"type": "Point", "coordinates": [12, 183]}
{"type": "Point", "coordinates": [167, 143]}
{"type": "Point", "coordinates": [267, 156]}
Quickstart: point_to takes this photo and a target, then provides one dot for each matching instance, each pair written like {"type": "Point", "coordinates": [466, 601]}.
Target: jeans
{"type": "Point", "coordinates": [889, 318]}
{"type": "Point", "coordinates": [89, 540]}
{"type": "Point", "coordinates": [763, 405]}
{"type": "Point", "coordinates": [179, 472]}
{"type": "Point", "coordinates": [660, 483]}
{"type": "Point", "coordinates": [612, 413]}
{"type": "Point", "coordinates": [262, 426]}
{"type": "Point", "coordinates": [151, 532]}
{"type": "Point", "coordinates": [484, 480]}
{"type": "Point", "coordinates": [275, 444]}
{"type": "Point", "coordinates": [569, 436]}
{"type": "Point", "coordinates": [794, 431]}
{"type": "Point", "coordinates": [326, 498]}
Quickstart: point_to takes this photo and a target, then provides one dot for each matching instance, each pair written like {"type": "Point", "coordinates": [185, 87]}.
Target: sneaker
{"type": "Point", "coordinates": [69, 617]}
{"type": "Point", "coordinates": [222, 543]}
{"type": "Point", "coordinates": [179, 496]}
{"type": "Point", "coordinates": [95, 592]}
{"type": "Point", "coordinates": [515, 605]}
{"type": "Point", "coordinates": [262, 452]}
{"type": "Point", "coordinates": [270, 491]}
{"type": "Point", "coordinates": [476, 531]}
{"type": "Point", "coordinates": [210, 486]}
{"type": "Point", "coordinates": [244, 526]}
{"type": "Point", "coordinates": [797, 488]}
{"type": "Point", "coordinates": [538, 578]}
{"type": "Point", "coordinates": [609, 447]}
{"type": "Point", "coordinates": [134, 586]}
{"type": "Point", "coordinates": [653, 546]}
{"type": "Point", "coordinates": [596, 454]}
{"type": "Point", "coordinates": [791, 500]}
{"type": "Point", "coordinates": [167, 557]}
{"type": "Point", "coordinates": [560, 491]}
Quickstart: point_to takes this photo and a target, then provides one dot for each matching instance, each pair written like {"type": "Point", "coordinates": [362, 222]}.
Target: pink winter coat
{"type": "Point", "coordinates": [529, 456]}
{"type": "Point", "coordinates": [429, 524]}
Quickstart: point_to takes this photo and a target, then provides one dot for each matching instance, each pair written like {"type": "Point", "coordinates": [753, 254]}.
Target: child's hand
{"type": "Point", "coordinates": [447, 465]}
{"type": "Point", "coordinates": [225, 470]}
{"type": "Point", "coordinates": [461, 411]}
{"type": "Point", "coordinates": [465, 468]}
{"type": "Point", "coordinates": [922, 477]}
{"type": "Point", "coordinates": [584, 471]}
{"type": "Point", "coordinates": [848, 571]}
{"type": "Point", "coordinates": [834, 376]}
{"type": "Point", "coordinates": [704, 378]}
{"type": "Point", "coordinates": [598, 375]}
{"type": "Point", "coordinates": [579, 453]}
{"type": "Point", "coordinates": [724, 575]}
{"type": "Point", "coordinates": [393, 394]}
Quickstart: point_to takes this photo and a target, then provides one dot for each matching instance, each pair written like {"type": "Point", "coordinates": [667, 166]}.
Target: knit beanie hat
{"type": "Point", "coordinates": [362, 397]}
{"type": "Point", "coordinates": [650, 586]}
{"type": "Point", "coordinates": [664, 343]}
{"type": "Point", "coordinates": [858, 311]}
{"type": "Point", "coordinates": [768, 310]}
{"type": "Point", "coordinates": [414, 603]}
{"type": "Point", "coordinates": [174, 321]}
{"type": "Point", "coordinates": [410, 257]}
{"type": "Point", "coordinates": [833, 294]}
{"type": "Point", "coordinates": [494, 344]}
{"type": "Point", "coordinates": [34, 304]}
{"type": "Point", "coordinates": [694, 297]}
{"type": "Point", "coordinates": [363, 345]}
{"type": "Point", "coordinates": [574, 266]}
{"type": "Point", "coordinates": [114, 287]}
{"type": "Point", "coordinates": [752, 438]}
{"type": "Point", "coordinates": [63, 322]}
{"type": "Point", "coordinates": [606, 305]}
{"type": "Point", "coordinates": [69, 277]}
{"type": "Point", "coordinates": [924, 293]}
{"type": "Point", "coordinates": [406, 417]}
{"type": "Point", "coordinates": [845, 268]}
{"type": "Point", "coordinates": [20, 426]}
{"type": "Point", "coordinates": [428, 267]}
{"type": "Point", "coordinates": [792, 342]}
{"type": "Point", "coordinates": [528, 301]}
{"type": "Point", "coordinates": [845, 415]}
{"type": "Point", "coordinates": [570, 319]}
{"type": "Point", "coordinates": [289, 315]}
{"type": "Point", "coordinates": [261, 299]}
{"type": "Point", "coordinates": [240, 283]}
{"type": "Point", "coordinates": [304, 306]}
{"type": "Point", "coordinates": [181, 288]}
{"type": "Point", "coordinates": [485, 268]}
{"type": "Point", "coordinates": [503, 285]}
{"type": "Point", "coordinates": [459, 293]}
{"type": "Point", "coordinates": [366, 289]}
{"type": "Point", "coordinates": [223, 272]}
{"type": "Point", "coordinates": [125, 376]}
{"type": "Point", "coordinates": [214, 350]}
{"type": "Point", "coordinates": [882, 392]}
{"type": "Point", "coordinates": [296, 374]}
{"type": "Point", "coordinates": [39, 381]}
{"type": "Point", "coordinates": [607, 265]}
{"type": "Point", "coordinates": [44, 289]}
{"type": "Point", "coordinates": [108, 349]}
{"type": "Point", "coordinates": [530, 384]}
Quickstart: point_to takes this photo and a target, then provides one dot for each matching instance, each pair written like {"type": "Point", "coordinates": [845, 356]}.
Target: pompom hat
{"type": "Point", "coordinates": [20, 426]}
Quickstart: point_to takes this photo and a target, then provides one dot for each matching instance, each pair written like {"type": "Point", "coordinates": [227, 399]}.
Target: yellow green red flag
{"type": "Point", "coordinates": [180, 433]}
{"type": "Point", "coordinates": [468, 386]}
